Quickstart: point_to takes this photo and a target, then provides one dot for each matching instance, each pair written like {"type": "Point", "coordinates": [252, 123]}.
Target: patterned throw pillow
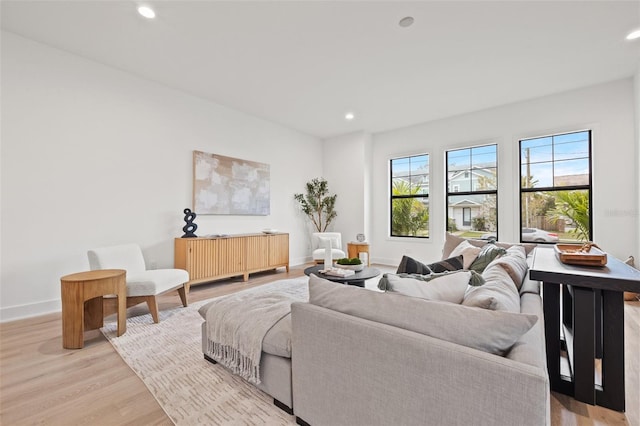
{"type": "Point", "coordinates": [408, 265]}
{"type": "Point", "coordinates": [486, 256]}
{"type": "Point", "coordinates": [450, 264]}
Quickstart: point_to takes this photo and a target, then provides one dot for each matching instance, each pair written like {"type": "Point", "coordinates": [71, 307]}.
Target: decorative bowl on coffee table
{"type": "Point", "coordinates": [356, 268]}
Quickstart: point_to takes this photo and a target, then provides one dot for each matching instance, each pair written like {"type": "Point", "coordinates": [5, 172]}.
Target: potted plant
{"type": "Point", "coordinates": [318, 204]}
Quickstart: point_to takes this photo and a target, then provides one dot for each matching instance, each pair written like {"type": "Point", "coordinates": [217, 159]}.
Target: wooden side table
{"type": "Point", "coordinates": [354, 249]}
{"type": "Point", "coordinates": [82, 307]}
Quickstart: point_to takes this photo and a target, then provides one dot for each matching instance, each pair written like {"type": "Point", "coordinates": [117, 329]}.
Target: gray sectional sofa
{"type": "Point", "coordinates": [352, 370]}
{"type": "Point", "coordinates": [351, 356]}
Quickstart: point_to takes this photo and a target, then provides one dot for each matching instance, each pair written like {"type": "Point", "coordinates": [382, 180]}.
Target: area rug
{"type": "Point", "coordinates": [168, 358]}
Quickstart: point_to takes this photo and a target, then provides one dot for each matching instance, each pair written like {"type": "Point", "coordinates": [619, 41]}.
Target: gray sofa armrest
{"type": "Point", "coordinates": [351, 371]}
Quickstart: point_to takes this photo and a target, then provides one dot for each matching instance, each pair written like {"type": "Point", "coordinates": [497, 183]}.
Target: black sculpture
{"type": "Point", "coordinates": [190, 228]}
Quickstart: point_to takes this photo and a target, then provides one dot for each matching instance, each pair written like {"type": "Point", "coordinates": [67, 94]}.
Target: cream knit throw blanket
{"type": "Point", "coordinates": [237, 324]}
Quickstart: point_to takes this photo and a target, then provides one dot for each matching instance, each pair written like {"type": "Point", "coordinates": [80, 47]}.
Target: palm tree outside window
{"type": "Point", "coordinates": [409, 200]}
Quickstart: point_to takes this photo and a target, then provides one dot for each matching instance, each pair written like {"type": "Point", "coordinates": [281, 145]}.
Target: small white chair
{"type": "Point", "coordinates": [142, 285]}
{"type": "Point", "coordinates": [318, 243]}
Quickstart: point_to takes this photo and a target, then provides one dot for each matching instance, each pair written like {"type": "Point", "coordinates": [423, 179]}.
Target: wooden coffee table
{"type": "Point", "coordinates": [356, 279]}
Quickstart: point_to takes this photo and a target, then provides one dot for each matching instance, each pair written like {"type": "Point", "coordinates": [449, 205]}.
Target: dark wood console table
{"type": "Point", "coordinates": [591, 297]}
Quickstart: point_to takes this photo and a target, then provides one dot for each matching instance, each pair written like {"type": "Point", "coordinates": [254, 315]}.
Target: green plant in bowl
{"type": "Point", "coordinates": [354, 264]}
{"type": "Point", "coordinates": [347, 261]}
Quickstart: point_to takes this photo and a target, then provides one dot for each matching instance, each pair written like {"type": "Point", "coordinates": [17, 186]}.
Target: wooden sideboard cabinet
{"type": "Point", "coordinates": [209, 259]}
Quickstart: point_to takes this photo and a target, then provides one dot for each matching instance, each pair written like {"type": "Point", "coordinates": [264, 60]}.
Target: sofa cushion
{"type": "Point", "coordinates": [485, 330]}
{"type": "Point", "coordinates": [487, 254]}
{"type": "Point", "coordinates": [155, 281]}
{"type": "Point", "coordinates": [410, 265]}
{"type": "Point", "coordinates": [530, 286]}
{"type": "Point", "coordinates": [530, 348]}
{"type": "Point", "coordinates": [514, 262]}
{"type": "Point", "coordinates": [446, 287]}
{"type": "Point", "coordinates": [468, 252]}
{"type": "Point", "coordinates": [277, 341]}
{"type": "Point", "coordinates": [498, 293]}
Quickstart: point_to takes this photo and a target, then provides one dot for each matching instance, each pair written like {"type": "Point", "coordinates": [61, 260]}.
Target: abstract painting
{"type": "Point", "coordinates": [226, 185]}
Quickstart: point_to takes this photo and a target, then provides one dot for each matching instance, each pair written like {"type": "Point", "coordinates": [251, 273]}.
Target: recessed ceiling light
{"type": "Point", "coordinates": [406, 21]}
{"type": "Point", "coordinates": [633, 35]}
{"type": "Point", "coordinates": [349, 116]}
{"type": "Point", "coordinates": [147, 12]}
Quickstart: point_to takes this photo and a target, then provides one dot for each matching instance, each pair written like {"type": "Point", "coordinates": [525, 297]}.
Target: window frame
{"type": "Point", "coordinates": [588, 187]}
{"type": "Point", "coordinates": [416, 196]}
{"type": "Point", "coordinates": [450, 192]}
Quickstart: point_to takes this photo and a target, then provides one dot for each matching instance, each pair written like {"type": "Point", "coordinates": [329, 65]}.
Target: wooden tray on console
{"type": "Point", "coordinates": [571, 254]}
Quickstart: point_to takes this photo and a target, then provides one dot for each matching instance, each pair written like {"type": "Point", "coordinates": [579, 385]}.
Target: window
{"type": "Point", "coordinates": [555, 188]}
{"type": "Point", "coordinates": [410, 196]}
{"type": "Point", "coordinates": [472, 191]}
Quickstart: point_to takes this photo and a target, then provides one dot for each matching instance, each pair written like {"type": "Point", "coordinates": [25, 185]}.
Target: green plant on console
{"type": "Point", "coordinates": [317, 204]}
{"type": "Point", "coordinates": [347, 261]}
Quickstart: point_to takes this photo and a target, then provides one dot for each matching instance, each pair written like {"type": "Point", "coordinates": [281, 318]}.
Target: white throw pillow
{"type": "Point", "coordinates": [468, 251]}
{"type": "Point", "coordinates": [514, 263]}
{"type": "Point", "coordinates": [498, 293]}
{"type": "Point", "coordinates": [448, 287]}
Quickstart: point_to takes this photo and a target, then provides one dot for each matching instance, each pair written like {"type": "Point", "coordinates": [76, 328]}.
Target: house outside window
{"type": "Point", "coordinates": [409, 200]}
{"type": "Point", "coordinates": [555, 188]}
{"type": "Point", "coordinates": [472, 191]}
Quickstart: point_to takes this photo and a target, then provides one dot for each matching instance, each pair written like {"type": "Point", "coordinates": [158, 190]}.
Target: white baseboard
{"type": "Point", "coordinates": [300, 261]}
{"type": "Point", "coordinates": [12, 313]}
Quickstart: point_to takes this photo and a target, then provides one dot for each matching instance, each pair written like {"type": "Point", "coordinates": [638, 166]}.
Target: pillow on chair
{"type": "Point", "coordinates": [335, 244]}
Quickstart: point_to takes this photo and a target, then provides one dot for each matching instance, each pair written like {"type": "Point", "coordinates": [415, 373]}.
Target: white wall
{"type": "Point", "coordinates": [636, 81]}
{"type": "Point", "coordinates": [607, 109]}
{"type": "Point", "coordinates": [92, 156]}
{"type": "Point", "coordinates": [347, 162]}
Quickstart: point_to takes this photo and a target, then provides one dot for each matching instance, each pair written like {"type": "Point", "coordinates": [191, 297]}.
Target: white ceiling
{"type": "Point", "coordinates": [304, 64]}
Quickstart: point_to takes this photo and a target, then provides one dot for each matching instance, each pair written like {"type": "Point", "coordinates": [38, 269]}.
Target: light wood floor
{"type": "Point", "coordinates": [42, 383]}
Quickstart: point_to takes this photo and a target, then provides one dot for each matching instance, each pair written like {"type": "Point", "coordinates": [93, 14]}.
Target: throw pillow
{"type": "Point", "coordinates": [332, 240]}
{"type": "Point", "coordinates": [528, 247]}
{"type": "Point", "coordinates": [453, 241]}
{"type": "Point", "coordinates": [486, 256]}
{"type": "Point", "coordinates": [411, 266]}
{"type": "Point", "coordinates": [489, 331]}
{"type": "Point", "coordinates": [468, 252]}
{"type": "Point", "coordinates": [454, 263]}
{"type": "Point", "coordinates": [498, 293]}
{"type": "Point", "coordinates": [514, 262]}
{"type": "Point", "coordinates": [447, 287]}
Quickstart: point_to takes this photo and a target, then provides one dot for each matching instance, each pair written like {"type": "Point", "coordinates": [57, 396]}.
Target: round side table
{"type": "Point", "coordinates": [90, 287]}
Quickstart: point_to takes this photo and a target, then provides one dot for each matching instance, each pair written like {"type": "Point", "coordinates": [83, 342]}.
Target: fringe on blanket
{"type": "Point", "coordinates": [235, 361]}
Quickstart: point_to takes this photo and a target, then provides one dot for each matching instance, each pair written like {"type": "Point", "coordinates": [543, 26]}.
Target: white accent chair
{"type": "Point", "coordinates": [318, 240]}
{"type": "Point", "coordinates": [142, 285]}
